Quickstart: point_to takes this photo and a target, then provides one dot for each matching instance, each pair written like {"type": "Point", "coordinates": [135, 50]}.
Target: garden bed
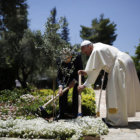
{"type": "Point", "coordinates": [73, 129]}
{"type": "Point", "coordinates": [18, 120]}
{"type": "Point", "coordinates": [17, 103]}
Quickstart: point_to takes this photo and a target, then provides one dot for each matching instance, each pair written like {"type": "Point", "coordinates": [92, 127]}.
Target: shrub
{"type": "Point", "coordinates": [11, 104]}
{"type": "Point", "coordinates": [88, 105]}
{"type": "Point", "coordinates": [25, 103]}
{"type": "Point", "coordinates": [12, 95]}
{"type": "Point", "coordinates": [88, 101]}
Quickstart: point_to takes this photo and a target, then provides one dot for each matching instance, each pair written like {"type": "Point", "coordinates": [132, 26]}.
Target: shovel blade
{"type": "Point", "coordinates": [42, 112]}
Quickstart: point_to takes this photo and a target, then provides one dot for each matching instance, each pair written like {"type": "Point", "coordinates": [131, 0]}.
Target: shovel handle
{"type": "Point", "coordinates": [79, 99]}
{"type": "Point", "coordinates": [99, 102]}
{"type": "Point", "coordinates": [79, 80]}
{"type": "Point", "coordinates": [64, 90]}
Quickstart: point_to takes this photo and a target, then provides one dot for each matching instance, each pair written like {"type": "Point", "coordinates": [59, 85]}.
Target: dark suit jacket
{"type": "Point", "coordinates": [69, 71]}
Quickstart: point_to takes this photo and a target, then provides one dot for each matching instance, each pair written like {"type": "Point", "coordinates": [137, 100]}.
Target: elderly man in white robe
{"type": "Point", "coordinates": [123, 87]}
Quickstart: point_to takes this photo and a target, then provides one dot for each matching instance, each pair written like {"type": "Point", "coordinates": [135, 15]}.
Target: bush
{"type": "Point", "coordinates": [24, 103]}
{"type": "Point", "coordinates": [88, 101]}
{"type": "Point", "coordinates": [44, 95]}
{"type": "Point", "coordinates": [12, 106]}
{"type": "Point", "coordinates": [88, 105]}
{"type": "Point", "coordinates": [12, 95]}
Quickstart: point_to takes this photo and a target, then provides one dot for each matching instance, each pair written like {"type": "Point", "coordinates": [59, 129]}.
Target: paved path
{"type": "Point", "coordinates": [132, 132]}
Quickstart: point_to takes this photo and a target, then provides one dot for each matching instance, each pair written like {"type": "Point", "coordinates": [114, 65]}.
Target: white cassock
{"type": "Point", "coordinates": [123, 87]}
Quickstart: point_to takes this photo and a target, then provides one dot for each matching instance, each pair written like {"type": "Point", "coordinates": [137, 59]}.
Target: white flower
{"type": "Point", "coordinates": [27, 97]}
{"type": "Point", "coordinates": [39, 128]}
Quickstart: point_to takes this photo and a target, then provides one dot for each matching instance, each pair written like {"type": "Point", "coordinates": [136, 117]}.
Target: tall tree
{"type": "Point", "coordinates": [53, 43]}
{"type": "Point", "coordinates": [29, 56]}
{"type": "Point", "coordinates": [65, 30]}
{"type": "Point", "coordinates": [13, 22]}
{"type": "Point", "coordinates": [101, 30]}
{"type": "Point", "coordinates": [13, 16]}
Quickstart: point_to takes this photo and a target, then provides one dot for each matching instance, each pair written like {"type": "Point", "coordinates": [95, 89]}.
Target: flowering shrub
{"type": "Point", "coordinates": [39, 128]}
{"type": "Point", "coordinates": [27, 97]}
{"type": "Point", "coordinates": [11, 96]}
{"type": "Point", "coordinates": [18, 102]}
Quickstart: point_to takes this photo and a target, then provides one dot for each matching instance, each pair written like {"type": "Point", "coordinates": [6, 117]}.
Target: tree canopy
{"type": "Point", "coordinates": [65, 30]}
{"type": "Point", "coordinates": [13, 23]}
{"type": "Point", "coordinates": [53, 42]}
{"type": "Point", "coordinates": [136, 59]}
{"type": "Point", "coordinates": [101, 30]}
{"type": "Point", "coordinates": [13, 16]}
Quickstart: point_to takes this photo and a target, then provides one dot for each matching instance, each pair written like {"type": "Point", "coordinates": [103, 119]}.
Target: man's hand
{"type": "Point", "coordinates": [60, 91]}
{"type": "Point", "coordinates": [80, 88]}
{"type": "Point", "coordinates": [82, 72]}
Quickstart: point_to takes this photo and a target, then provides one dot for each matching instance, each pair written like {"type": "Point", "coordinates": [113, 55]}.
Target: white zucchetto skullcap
{"type": "Point", "coordinates": [85, 43]}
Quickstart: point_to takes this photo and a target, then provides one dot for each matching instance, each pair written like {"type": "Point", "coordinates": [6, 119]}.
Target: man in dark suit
{"type": "Point", "coordinates": [67, 74]}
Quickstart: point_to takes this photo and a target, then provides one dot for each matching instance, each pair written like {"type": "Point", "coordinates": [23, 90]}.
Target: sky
{"type": "Point", "coordinates": [124, 13]}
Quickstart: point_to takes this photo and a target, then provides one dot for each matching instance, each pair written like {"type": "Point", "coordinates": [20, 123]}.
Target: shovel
{"type": "Point", "coordinates": [99, 102]}
{"type": "Point", "coordinates": [41, 110]}
{"type": "Point", "coordinates": [79, 100]}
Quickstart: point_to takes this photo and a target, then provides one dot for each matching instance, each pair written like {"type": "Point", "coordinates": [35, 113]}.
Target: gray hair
{"type": "Point", "coordinates": [65, 53]}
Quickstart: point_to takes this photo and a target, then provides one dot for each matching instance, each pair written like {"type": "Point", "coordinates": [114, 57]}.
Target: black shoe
{"type": "Point", "coordinates": [104, 120]}
{"type": "Point", "coordinates": [74, 115]}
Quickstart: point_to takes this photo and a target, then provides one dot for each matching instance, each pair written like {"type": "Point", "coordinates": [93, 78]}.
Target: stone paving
{"type": "Point", "coordinates": [131, 132]}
